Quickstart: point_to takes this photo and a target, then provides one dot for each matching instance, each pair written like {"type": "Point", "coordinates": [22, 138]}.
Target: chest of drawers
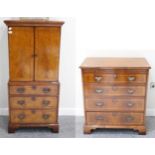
{"type": "Point", "coordinates": [34, 47]}
{"type": "Point", "coordinates": [115, 93]}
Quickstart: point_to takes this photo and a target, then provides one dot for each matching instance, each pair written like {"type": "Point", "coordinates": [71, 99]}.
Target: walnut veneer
{"type": "Point", "coordinates": [115, 93]}
{"type": "Point", "coordinates": [34, 49]}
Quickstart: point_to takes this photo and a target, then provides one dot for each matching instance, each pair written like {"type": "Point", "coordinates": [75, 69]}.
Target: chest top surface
{"type": "Point", "coordinates": [33, 22]}
{"type": "Point", "coordinates": [115, 63]}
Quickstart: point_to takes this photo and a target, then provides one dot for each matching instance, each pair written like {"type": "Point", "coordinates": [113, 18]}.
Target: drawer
{"type": "Point", "coordinates": [114, 76]}
{"type": "Point", "coordinates": [97, 90]}
{"type": "Point", "coordinates": [115, 104]}
{"type": "Point", "coordinates": [114, 118]}
{"type": "Point", "coordinates": [33, 102]}
{"type": "Point", "coordinates": [33, 116]}
{"type": "Point", "coordinates": [51, 90]}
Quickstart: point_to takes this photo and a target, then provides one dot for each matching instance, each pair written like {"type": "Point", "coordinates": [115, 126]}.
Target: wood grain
{"type": "Point", "coordinates": [49, 90]}
{"type": "Point", "coordinates": [98, 90]}
{"type": "Point", "coordinates": [113, 118]}
{"type": "Point", "coordinates": [113, 63]}
{"type": "Point", "coordinates": [21, 43]}
{"type": "Point", "coordinates": [33, 102]}
{"type": "Point", "coordinates": [33, 116]}
{"type": "Point", "coordinates": [47, 44]}
{"type": "Point", "coordinates": [115, 104]}
{"type": "Point", "coordinates": [28, 23]}
{"type": "Point", "coordinates": [115, 77]}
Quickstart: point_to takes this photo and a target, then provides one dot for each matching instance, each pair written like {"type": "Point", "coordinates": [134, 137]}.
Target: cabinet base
{"type": "Point", "coordinates": [13, 127]}
{"type": "Point", "coordinates": [89, 128]}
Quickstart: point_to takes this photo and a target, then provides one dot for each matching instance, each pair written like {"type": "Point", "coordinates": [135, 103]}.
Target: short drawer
{"type": "Point", "coordinates": [51, 90]}
{"type": "Point", "coordinates": [33, 102]}
{"type": "Point", "coordinates": [114, 104]}
{"type": "Point", "coordinates": [114, 76]}
{"type": "Point", "coordinates": [97, 90]}
{"type": "Point", "coordinates": [114, 118]}
{"type": "Point", "coordinates": [33, 116]}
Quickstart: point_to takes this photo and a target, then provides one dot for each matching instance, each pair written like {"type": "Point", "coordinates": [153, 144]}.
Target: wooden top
{"type": "Point", "coordinates": [118, 63]}
{"type": "Point", "coordinates": [33, 22]}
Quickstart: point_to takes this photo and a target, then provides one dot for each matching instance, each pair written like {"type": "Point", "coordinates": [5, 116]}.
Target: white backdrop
{"type": "Point", "coordinates": [67, 65]}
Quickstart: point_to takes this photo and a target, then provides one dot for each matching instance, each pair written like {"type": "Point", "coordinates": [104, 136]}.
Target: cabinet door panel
{"type": "Point", "coordinates": [47, 43]}
{"type": "Point", "coordinates": [21, 49]}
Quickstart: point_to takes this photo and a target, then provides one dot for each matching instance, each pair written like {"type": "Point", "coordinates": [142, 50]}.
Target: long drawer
{"type": "Point", "coordinates": [114, 118]}
{"type": "Point", "coordinates": [96, 90]}
{"type": "Point", "coordinates": [51, 90]}
{"type": "Point", "coordinates": [36, 102]}
{"type": "Point", "coordinates": [114, 76]}
{"type": "Point", "coordinates": [114, 104]}
{"type": "Point", "coordinates": [33, 116]}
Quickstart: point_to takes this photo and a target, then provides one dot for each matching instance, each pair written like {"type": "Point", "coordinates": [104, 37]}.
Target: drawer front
{"type": "Point", "coordinates": [114, 76]}
{"type": "Point", "coordinates": [33, 116]}
{"type": "Point", "coordinates": [114, 118]}
{"type": "Point", "coordinates": [97, 90]}
{"type": "Point", "coordinates": [33, 102]}
{"type": "Point", "coordinates": [51, 90]}
{"type": "Point", "coordinates": [114, 104]}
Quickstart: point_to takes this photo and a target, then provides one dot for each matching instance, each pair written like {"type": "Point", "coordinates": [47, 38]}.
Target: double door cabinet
{"type": "Point", "coordinates": [34, 47]}
{"type": "Point", "coordinates": [115, 93]}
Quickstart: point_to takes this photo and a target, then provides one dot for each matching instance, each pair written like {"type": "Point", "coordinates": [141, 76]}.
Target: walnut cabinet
{"type": "Point", "coordinates": [34, 50]}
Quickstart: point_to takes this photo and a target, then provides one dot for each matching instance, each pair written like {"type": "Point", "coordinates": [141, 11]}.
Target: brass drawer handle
{"type": "Point", "coordinates": [131, 91]}
{"type": "Point", "coordinates": [98, 78]}
{"type": "Point", "coordinates": [21, 102]}
{"type": "Point", "coordinates": [98, 118]}
{"type": "Point", "coordinates": [20, 90]}
{"type": "Point", "coordinates": [45, 116]}
{"type": "Point", "coordinates": [131, 78]}
{"type": "Point", "coordinates": [21, 116]}
{"type": "Point", "coordinates": [45, 103]}
{"type": "Point", "coordinates": [46, 90]}
{"type": "Point", "coordinates": [130, 104]}
{"type": "Point", "coordinates": [99, 104]}
{"type": "Point", "coordinates": [129, 118]}
{"type": "Point", "coordinates": [98, 91]}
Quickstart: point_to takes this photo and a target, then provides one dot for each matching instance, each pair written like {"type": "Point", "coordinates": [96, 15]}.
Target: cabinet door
{"type": "Point", "coordinates": [47, 44]}
{"type": "Point", "coordinates": [21, 50]}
